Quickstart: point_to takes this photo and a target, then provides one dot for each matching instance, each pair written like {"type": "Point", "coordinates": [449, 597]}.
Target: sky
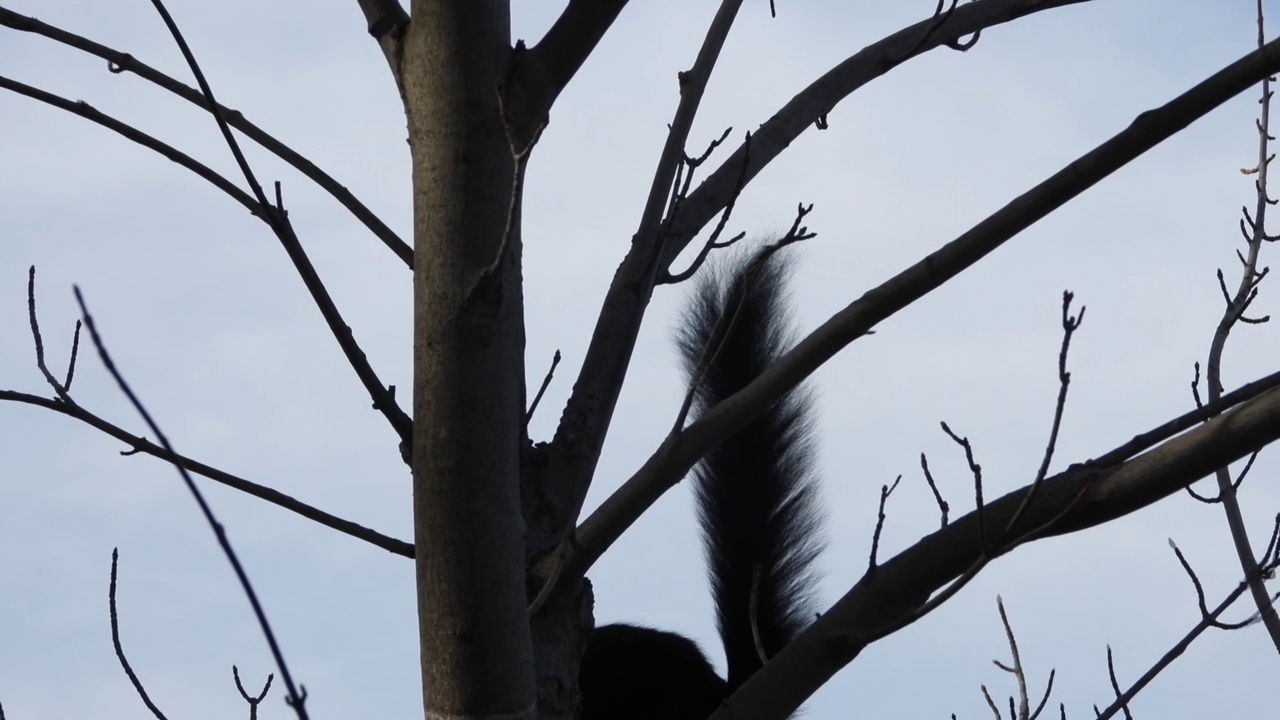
{"type": "Point", "coordinates": [205, 316]}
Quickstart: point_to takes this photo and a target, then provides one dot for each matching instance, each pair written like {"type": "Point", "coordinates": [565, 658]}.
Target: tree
{"type": "Point", "coordinates": [475, 392]}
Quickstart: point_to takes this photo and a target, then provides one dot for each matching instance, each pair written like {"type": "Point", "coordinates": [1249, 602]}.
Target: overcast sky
{"type": "Point", "coordinates": [207, 319]}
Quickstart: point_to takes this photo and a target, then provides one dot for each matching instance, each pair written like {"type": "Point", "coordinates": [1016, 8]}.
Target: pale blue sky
{"type": "Point", "coordinates": [207, 319]}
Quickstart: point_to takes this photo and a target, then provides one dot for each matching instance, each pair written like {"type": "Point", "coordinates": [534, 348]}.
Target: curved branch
{"type": "Point", "coordinates": [277, 218]}
{"type": "Point", "coordinates": [114, 617]}
{"type": "Point", "coordinates": [680, 451]}
{"type": "Point", "coordinates": [579, 438]}
{"type": "Point", "coordinates": [123, 62]}
{"type": "Point", "coordinates": [585, 423]}
{"type": "Point", "coordinates": [383, 397]}
{"type": "Point", "coordinates": [1079, 498]}
{"type": "Point", "coordinates": [571, 39]}
{"type": "Point", "coordinates": [387, 22]}
{"type": "Point", "coordinates": [139, 444]}
{"type": "Point", "coordinates": [89, 112]}
{"type": "Point", "coordinates": [822, 95]}
{"type": "Point", "coordinates": [297, 694]}
{"type": "Point", "coordinates": [1237, 304]}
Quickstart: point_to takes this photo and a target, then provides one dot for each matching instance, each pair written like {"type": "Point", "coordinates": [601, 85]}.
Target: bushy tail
{"type": "Point", "coordinates": [756, 492]}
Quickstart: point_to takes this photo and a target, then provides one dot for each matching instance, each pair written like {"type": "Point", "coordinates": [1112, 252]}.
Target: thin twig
{"type": "Point", "coordinates": [1208, 619]}
{"type": "Point", "coordinates": [383, 396]}
{"type": "Point", "coordinates": [546, 381]}
{"type": "Point", "coordinates": [67, 405]}
{"type": "Point", "coordinates": [976, 470]}
{"type": "Point", "coordinates": [943, 507]}
{"type": "Point", "coordinates": [256, 700]}
{"type": "Point", "coordinates": [297, 698]}
{"type": "Point", "coordinates": [139, 444]}
{"type": "Point", "coordinates": [121, 62]}
{"type": "Point", "coordinates": [115, 641]}
{"type": "Point", "coordinates": [1069, 326]}
{"type": "Point", "coordinates": [885, 492]}
{"type": "Point", "coordinates": [277, 218]}
{"type": "Point", "coordinates": [1236, 305]}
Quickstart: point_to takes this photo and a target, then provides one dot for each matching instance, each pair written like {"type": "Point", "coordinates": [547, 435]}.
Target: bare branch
{"type": "Point", "coordinates": [976, 471]}
{"type": "Point", "coordinates": [59, 389]}
{"type": "Point", "coordinates": [1020, 676]}
{"type": "Point", "coordinates": [387, 22]}
{"type": "Point", "coordinates": [1115, 686]}
{"type": "Point", "coordinates": [255, 700]}
{"type": "Point", "coordinates": [571, 39]}
{"type": "Point", "coordinates": [585, 422]}
{"type": "Point", "coordinates": [115, 641]}
{"type": "Point", "coordinates": [1208, 619]}
{"type": "Point", "coordinates": [139, 444]}
{"type": "Point", "coordinates": [1069, 326]}
{"type": "Point", "coordinates": [1236, 306]}
{"type": "Point", "coordinates": [63, 403]}
{"type": "Point", "coordinates": [816, 101]}
{"type": "Point", "coordinates": [678, 453]}
{"type": "Point", "coordinates": [121, 62]}
{"type": "Point", "coordinates": [885, 492]}
{"type": "Point", "coordinates": [296, 699]}
{"type": "Point", "coordinates": [88, 112]}
{"type": "Point", "coordinates": [546, 381]}
{"type": "Point", "coordinates": [901, 584]}
{"type": "Point", "coordinates": [575, 449]}
{"type": "Point", "coordinates": [713, 242]}
{"type": "Point", "coordinates": [383, 397]}
{"type": "Point", "coordinates": [1023, 709]}
{"type": "Point", "coordinates": [943, 507]}
{"type": "Point", "coordinates": [277, 218]}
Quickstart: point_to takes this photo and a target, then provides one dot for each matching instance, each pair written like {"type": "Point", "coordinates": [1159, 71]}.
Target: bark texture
{"type": "Point", "coordinates": [468, 365]}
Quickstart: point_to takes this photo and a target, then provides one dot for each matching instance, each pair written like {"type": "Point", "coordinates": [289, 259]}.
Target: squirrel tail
{"type": "Point", "coordinates": [756, 492]}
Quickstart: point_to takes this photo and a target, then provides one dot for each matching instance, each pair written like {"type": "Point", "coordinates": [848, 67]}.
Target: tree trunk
{"type": "Point", "coordinates": [468, 365]}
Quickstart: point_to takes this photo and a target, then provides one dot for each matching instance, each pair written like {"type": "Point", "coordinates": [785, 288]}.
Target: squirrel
{"type": "Point", "coordinates": [757, 503]}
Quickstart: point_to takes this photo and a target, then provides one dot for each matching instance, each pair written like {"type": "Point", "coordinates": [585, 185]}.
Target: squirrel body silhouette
{"type": "Point", "coordinates": [757, 504]}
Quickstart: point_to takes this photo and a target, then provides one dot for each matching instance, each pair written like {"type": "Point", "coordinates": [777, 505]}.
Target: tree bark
{"type": "Point", "coordinates": [468, 365]}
